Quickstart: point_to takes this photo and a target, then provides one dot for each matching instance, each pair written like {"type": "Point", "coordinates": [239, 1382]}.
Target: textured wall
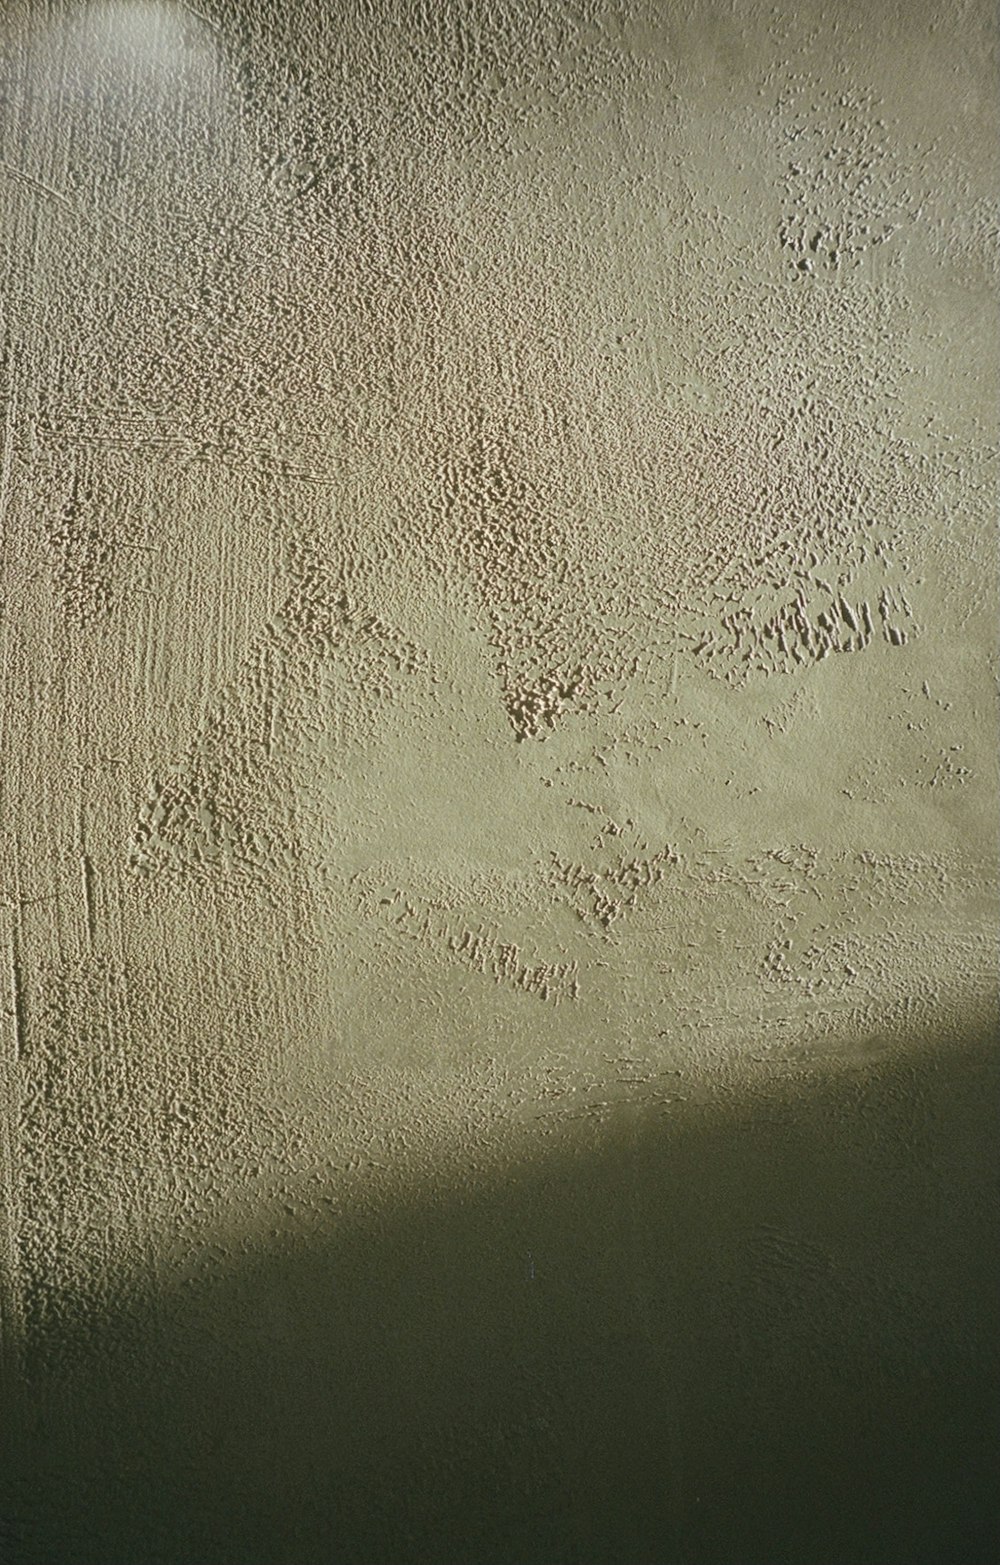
{"type": "Point", "coordinates": [497, 840]}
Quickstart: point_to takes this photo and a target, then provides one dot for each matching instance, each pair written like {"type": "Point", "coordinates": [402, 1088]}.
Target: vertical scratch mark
{"type": "Point", "coordinates": [11, 1048]}
{"type": "Point", "coordinates": [8, 436]}
{"type": "Point", "coordinates": [10, 389]}
{"type": "Point", "coordinates": [87, 869]}
{"type": "Point", "coordinates": [16, 995]}
{"type": "Point", "coordinates": [87, 881]}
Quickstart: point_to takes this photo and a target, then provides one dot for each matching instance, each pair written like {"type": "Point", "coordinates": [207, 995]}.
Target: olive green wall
{"type": "Point", "coordinates": [498, 803]}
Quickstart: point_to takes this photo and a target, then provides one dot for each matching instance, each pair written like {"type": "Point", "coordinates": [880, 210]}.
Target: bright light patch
{"type": "Point", "coordinates": [150, 32]}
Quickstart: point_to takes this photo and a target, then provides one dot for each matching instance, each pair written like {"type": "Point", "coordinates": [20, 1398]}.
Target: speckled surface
{"type": "Point", "coordinates": [498, 800]}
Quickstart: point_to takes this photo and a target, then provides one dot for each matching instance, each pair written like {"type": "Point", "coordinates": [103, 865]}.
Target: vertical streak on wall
{"type": "Point", "coordinates": [11, 1012]}
{"type": "Point", "coordinates": [11, 1321]}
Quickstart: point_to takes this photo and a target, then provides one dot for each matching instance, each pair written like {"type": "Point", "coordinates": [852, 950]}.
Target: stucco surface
{"type": "Point", "coordinates": [499, 781]}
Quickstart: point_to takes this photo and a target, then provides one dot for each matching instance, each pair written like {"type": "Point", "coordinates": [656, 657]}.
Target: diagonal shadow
{"type": "Point", "coordinates": [762, 1331]}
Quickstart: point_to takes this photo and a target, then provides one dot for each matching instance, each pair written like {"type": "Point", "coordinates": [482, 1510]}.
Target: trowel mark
{"type": "Point", "coordinates": [226, 807]}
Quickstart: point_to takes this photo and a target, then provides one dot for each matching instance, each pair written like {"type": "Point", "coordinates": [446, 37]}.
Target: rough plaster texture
{"type": "Point", "coordinates": [497, 842]}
